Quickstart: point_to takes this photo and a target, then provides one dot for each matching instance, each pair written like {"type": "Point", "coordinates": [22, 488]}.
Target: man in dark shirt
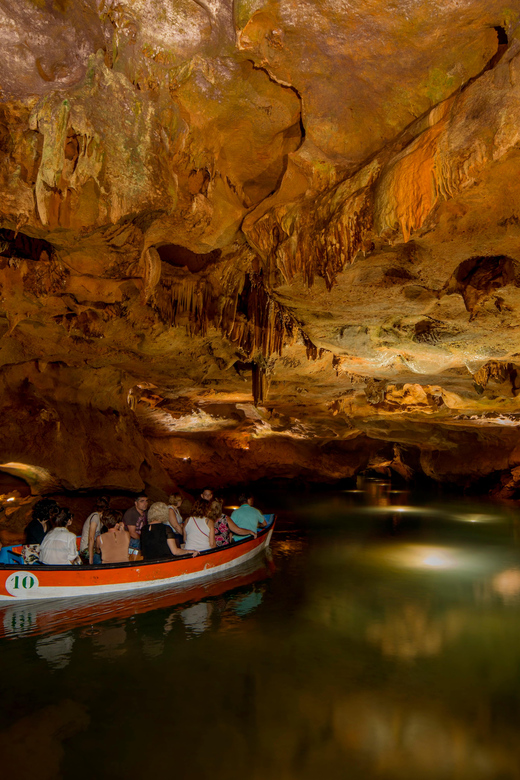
{"type": "Point", "coordinates": [134, 520]}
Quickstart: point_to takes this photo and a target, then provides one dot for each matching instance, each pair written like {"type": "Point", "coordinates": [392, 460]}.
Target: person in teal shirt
{"type": "Point", "coordinates": [246, 516]}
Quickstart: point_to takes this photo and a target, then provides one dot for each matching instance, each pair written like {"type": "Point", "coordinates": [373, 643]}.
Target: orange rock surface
{"type": "Point", "coordinates": [259, 239]}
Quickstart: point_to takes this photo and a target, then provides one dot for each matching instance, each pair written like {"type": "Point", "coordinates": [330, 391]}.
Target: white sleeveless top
{"type": "Point", "coordinates": [178, 517]}
{"type": "Point", "coordinates": [93, 518]}
{"type": "Point", "coordinates": [197, 534]}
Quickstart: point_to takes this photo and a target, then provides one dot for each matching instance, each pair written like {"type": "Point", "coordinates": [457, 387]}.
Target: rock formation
{"type": "Point", "coordinates": [247, 239]}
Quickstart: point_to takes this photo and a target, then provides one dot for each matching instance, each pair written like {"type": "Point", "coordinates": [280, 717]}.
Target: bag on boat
{"type": "Point", "coordinates": [31, 553]}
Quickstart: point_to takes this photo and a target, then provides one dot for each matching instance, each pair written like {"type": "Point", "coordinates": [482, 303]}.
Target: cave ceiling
{"type": "Point", "coordinates": [246, 239]}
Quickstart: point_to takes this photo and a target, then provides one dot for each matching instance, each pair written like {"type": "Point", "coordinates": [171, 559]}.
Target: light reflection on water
{"type": "Point", "coordinates": [382, 642]}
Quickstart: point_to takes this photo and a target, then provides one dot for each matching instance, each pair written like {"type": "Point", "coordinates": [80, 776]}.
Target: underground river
{"type": "Point", "coordinates": [380, 638]}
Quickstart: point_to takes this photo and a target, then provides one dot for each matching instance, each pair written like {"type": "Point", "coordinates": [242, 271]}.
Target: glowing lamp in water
{"type": "Point", "coordinates": [420, 556]}
{"type": "Point", "coordinates": [438, 560]}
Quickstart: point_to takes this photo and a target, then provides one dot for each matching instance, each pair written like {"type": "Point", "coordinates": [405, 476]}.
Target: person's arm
{"type": "Point", "coordinates": [73, 550]}
{"type": "Point", "coordinates": [172, 516]}
{"type": "Point", "coordinates": [211, 527]}
{"type": "Point", "coordinates": [133, 533]}
{"type": "Point", "coordinates": [239, 531]}
{"type": "Point", "coordinates": [91, 539]}
{"type": "Point", "coordinates": [178, 550]}
{"type": "Point", "coordinates": [261, 520]}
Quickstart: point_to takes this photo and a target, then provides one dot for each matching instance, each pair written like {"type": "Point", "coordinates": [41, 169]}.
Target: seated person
{"type": "Point", "coordinates": [157, 540]}
{"type": "Point", "coordinates": [59, 545]}
{"type": "Point", "coordinates": [246, 516]}
{"type": "Point", "coordinates": [224, 524]}
{"type": "Point", "coordinates": [114, 541]}
{"type": "Point", "coordinates": [91, 530]}
{"type": "Point", "coordinates": [175, 518]}
{"type": "Point", "coordinates": [42, 516]}
{"type": "Point", "coordinates": [199, 530]}
{"type": "Point", "coordinates": [134, 520]}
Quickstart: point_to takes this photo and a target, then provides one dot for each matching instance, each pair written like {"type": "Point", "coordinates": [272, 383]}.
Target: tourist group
{"type": "Point", "coordinates": [157, 532]}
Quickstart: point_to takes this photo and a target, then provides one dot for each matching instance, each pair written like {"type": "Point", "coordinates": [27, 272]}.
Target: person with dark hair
{"type": "Point", "coordinates": [42, 515]}
{"type": "Point", "coordinates": [157, 538]}
{"type": "Point", "coordinates": [224, 525]}
{"type": "Point", "coordinates": [246, 516]}
{"type": "Point", "coordinates": [199, 531]}
{"type": "Point", "coordinates": [113, 542]}
{"type": "Point", "coordinates": [134, 520]}
{"type": "Point", "coordinates": [59, 545]}
{"type": "Point", "coordinates": [207, 494]}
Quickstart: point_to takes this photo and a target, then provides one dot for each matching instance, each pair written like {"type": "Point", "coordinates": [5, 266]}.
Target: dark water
{"type": "Point", "coordinates": [382, 640]}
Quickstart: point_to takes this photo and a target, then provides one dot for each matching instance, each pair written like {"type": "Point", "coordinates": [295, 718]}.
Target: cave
{"type": "Point", "coordinates": [271, 244]}
{"type": "Point", "coordinates": [327, 238]}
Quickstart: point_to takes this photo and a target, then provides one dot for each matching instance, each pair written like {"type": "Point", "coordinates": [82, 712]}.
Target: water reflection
{"type": "Point", "coordinates": [370, 651]}
{"type": "Point", "coordinates": [38, 617]}
{"type": "Point", "coordinates": [507, 584]}
{"type": "Point", "coordinates": [33, 744]}
{"type": "Point", "coordinates": [109, 642]}
{"type": "Point", "coordinates": [399, 740]}
{"type": "Point", "coordinates": [56, 649]}
{"type": "Point", "coordinates": [196, 618]}
{"type": "Point", "coordinates": [411, 631]}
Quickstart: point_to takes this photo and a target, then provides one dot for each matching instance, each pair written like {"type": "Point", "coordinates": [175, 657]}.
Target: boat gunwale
{"type": "Point", "coordinates": [138, 564]}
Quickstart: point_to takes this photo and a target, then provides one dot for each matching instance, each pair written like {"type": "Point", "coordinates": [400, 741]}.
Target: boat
{"type": "Point", "coordinates": [20, 582]}
{"type": "Point", "coordinates": [52, 616]}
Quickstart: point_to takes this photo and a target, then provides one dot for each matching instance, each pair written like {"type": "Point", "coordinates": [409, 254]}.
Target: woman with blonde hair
{"type": "Point", "coordinates": [157, 539]}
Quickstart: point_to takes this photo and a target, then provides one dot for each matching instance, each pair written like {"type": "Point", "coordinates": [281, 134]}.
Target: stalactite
{"type": "Point", "coordinates": [247, 313]}
{"type": "Point", "coordinates": [259, 384]}
{"type": "Point", "coordinates": [310, 348]}
{"type": "Point", "coordinates": [322, 248]}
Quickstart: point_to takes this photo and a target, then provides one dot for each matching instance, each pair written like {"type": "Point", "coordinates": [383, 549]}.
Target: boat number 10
{"type": "Point", "coordinates": [20, 583]}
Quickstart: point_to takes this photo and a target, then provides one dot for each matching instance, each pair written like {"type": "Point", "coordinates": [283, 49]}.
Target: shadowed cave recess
{"type": "Point", "coordinates": [259, 241]}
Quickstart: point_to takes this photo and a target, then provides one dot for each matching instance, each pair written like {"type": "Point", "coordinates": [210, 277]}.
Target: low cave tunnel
{"type": "Point", "coordinates": [260, 382]}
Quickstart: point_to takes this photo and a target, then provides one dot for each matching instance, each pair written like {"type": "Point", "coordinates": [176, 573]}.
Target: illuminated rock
{"type": "Point", "coordinates": [288, 206]}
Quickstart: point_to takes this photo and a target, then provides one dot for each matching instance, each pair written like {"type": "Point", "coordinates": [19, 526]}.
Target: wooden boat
{"type": "Point", "coordinates": [30, 582]}
{"type": "Point", "coordinates": [21, 618]}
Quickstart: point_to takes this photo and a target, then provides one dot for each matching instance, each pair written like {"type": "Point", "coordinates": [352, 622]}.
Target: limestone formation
{"type": "Point", "coordinates": [259, 239]}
